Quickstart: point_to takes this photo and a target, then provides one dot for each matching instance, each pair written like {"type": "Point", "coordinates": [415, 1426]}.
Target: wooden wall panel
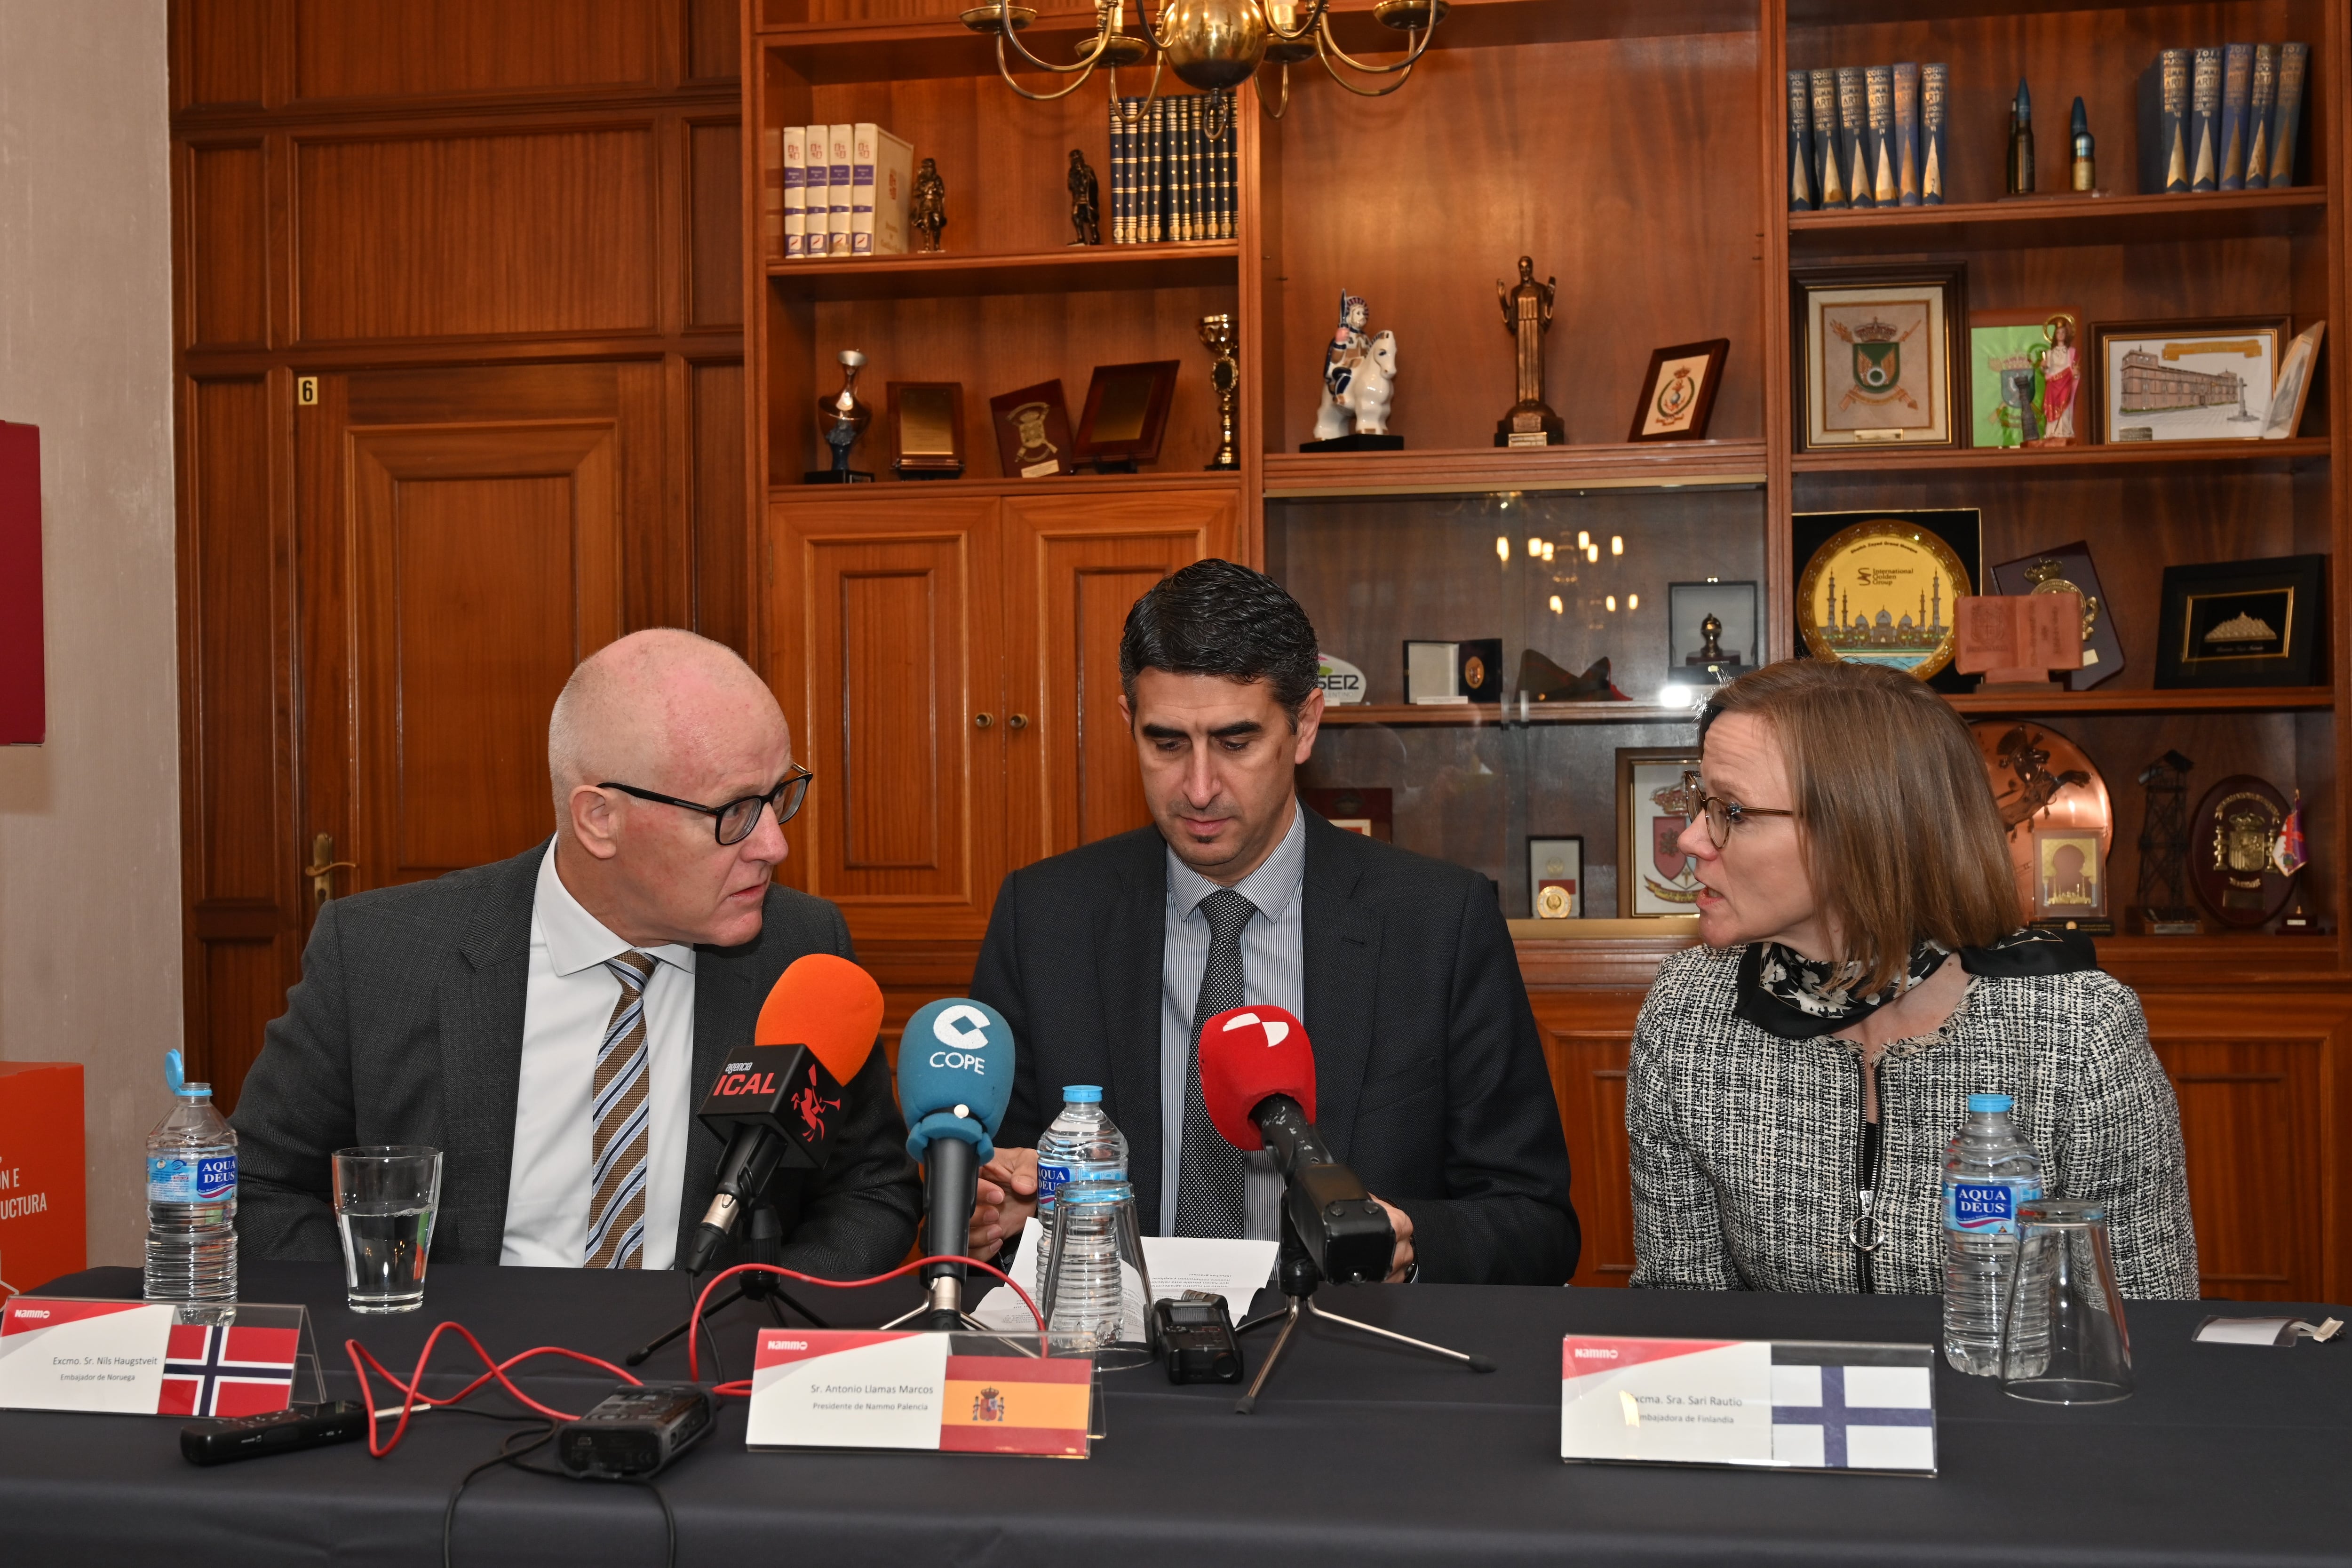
{"type": "Point", "coordinates": [228, 280]}
{"type": "Point", "coordinates": [1587, 1037]}
{"type": "Point", "coordinates": [417, 48]}
{"type": "Point", "coordinates": [1074, 565]}
{"type": "Point", "coordinates": [219, 47]}
{"type": "Point", "coordinates": [714, 39]}
{"type": "Point", "coordinates": [476, 236]}
{"type": "Point", "coordinates": [235, 577]}
{"type": "Point", "coordinates": [243, 987]}
{"type": "Point", "coordinates": [715, 217]}
{"type": "Point", "coordinates": [719, 504]}
{"type": "Point", "coordinates": [486, 564]}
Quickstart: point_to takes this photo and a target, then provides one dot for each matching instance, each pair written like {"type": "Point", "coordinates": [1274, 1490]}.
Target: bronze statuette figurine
{"type": "Point", "coordinates": [1527, 316]}
{"type": "Point", "coordinates": [1085, 201]}
{"type": "Point", "coordinates": [929, 204]}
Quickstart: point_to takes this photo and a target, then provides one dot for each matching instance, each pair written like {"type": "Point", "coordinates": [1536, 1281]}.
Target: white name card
{"type": "Point", "coordinates": [1788, 1404]}
{"type": "Point", "coordinates": [963, 1394]}
{"type": "Point", "coordinates": [152, 1358]}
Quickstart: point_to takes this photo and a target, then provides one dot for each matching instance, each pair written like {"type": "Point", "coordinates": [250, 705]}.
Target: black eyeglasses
{"type": "Point", "coordinates": [1722, 816]}
{"type": "Point", "coordinates": [737, 818]}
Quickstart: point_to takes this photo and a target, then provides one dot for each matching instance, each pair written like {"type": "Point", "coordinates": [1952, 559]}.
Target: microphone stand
{"type": "Point", "coordinates": [762, 1242]}
{"type": "Point", "coordinates": [1299, 1277]}
{"type": "Point", "coordinates": [949, 1175]}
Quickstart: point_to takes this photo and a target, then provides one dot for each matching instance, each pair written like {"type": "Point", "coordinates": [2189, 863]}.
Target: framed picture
{"type": "Point", "coordinates": [1556, 878]}
{"type": "Point", "coordinates": [1678, 393]}
{"type": "Point", "coordinates": [1700, 654]}
{"type": "Point", "coordinates": [2188, 381]}
{"type": "Point", "coordinates": [926, 429]}
{"type": "Point", "coordinates": [2065, 569]}
{"type": "Point", "coordinates": [1654, 877]}
{"type": "Point", "coordinates": [2025, 378]}
{"type": "Point", "coordinates": [1876, 363]}
{"type": "Point", "coordinates": [1370, 811]}
{"type": "Point", "coordinates": [2243, 623]}
{"type": "Point", "coordinates": [1125, 413]}
{"type": "Point", "coordinates": [2070, 881]}
{"type": "Point", "coordinates": [1032, 432]}
{"type": "Point", "coordinates": [1878, 587]}
{"type": "Point", "coordinates": [2294, 388]}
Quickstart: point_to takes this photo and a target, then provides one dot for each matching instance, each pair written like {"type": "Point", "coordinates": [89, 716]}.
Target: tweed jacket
{"type": "Point", "coordinates": [408, 1028]}
{"type": "Point", "coordinates": [1746, 1146]}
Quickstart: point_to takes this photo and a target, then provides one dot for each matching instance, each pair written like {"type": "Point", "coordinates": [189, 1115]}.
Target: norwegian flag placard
{"type": "Point", "coordinates": [1788, 1404]}
{"type": "Point", "coordinates": [152, 1358]}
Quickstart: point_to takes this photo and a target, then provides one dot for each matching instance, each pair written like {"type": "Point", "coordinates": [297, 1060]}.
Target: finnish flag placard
{"type": "Point", "coordinates": [1790, 1404]}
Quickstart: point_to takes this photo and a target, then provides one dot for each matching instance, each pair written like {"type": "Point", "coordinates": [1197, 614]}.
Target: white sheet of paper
{"type": "Point", "coordinates": [1233, 1269]}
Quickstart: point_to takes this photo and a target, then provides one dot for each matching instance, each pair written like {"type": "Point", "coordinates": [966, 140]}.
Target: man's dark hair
{"type": "Point", "coordinates": [1214, 618]}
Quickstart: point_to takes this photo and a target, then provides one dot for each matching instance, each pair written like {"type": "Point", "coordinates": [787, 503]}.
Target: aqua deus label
{"type": "Point", "coordinates": [1987, 1208]}
{"type": "Point", "coordinates": [173, 1179]}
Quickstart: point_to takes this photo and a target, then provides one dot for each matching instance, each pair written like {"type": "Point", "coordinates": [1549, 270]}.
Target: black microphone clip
{"type": "Point", "coordinates": [776, 1106]}
{"type": "Point", "coordinates": [1346, 1232]}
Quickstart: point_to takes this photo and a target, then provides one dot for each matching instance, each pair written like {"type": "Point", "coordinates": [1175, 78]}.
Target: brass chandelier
{"type": "Point", "coordinates": [1213, 45]}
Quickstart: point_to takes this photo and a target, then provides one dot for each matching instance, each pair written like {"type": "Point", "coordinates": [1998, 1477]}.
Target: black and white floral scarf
{"type": "Point", "coordinates": [1788, 995]}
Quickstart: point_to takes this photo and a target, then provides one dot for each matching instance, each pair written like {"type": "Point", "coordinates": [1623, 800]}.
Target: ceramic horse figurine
{"type": "Point", "coordinates": [1371, 386]}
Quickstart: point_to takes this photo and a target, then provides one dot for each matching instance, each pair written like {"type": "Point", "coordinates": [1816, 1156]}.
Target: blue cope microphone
{"type": "Point", "coordinates": [955, 1079]}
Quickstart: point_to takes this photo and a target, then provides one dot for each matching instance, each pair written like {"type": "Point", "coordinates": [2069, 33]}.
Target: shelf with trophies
{"type": "Point", "coordinates": [1555, 376]}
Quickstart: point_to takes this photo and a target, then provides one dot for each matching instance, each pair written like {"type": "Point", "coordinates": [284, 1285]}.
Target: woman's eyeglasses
{"type": "Point", "coordinates": [1722, 816]}
{"type": "Point", "coordinates": [736, 819]}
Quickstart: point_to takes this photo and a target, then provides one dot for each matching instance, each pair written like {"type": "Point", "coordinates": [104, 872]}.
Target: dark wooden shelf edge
{"type": "Point", "coordinates": [2056, 221]}
{"type": "Point", "coordinates": [1661, 465]}
{"type": "Point", "coordinates": [2112, 454]}
{"type": "Point", "coordinates": [2249, 699]}
{"type": "Point", "coordinates": [1071, 269]}
{"type": "Point", "coordinates": [887, 488]}
{"type": "Point", "coordinates": [1473, 715]}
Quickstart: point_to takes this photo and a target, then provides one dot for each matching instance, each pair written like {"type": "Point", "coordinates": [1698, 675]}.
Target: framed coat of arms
{"type": "Point", "coordinates": [1876, 363]}
{"type": "Point", "coordinates": [1653, 876]}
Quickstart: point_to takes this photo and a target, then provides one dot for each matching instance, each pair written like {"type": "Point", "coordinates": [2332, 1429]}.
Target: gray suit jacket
{"type": "Point", "coordinates": [406, 1027]}
{"type": "Point", "coordinates": [1430, 1079]}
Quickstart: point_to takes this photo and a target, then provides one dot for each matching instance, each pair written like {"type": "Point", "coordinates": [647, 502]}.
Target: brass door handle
{"type": "Point", "coordinates": [322, 868]}
{"type": "Point", "coordinates": [982, 720]}
{"type": "Point", "coordinates": [1019, 721]}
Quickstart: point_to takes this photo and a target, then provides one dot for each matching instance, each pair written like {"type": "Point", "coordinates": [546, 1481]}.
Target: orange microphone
{"type": "Point", "coordinates": [777, 1101]}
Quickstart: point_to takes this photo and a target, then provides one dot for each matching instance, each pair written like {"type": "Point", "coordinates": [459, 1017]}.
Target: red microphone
{"type": "Point", "coordinates": [1257, 1081]}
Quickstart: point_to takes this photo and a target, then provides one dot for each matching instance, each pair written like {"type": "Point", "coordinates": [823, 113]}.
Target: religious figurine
{"type": "Point", "coordinates": [841, 419]}
{"type": "Point", "coordinates": [1226, 380]}
{"type": "Point", "coordinates": [1359, 382]}
{"type": "Point", "coordinates": [1527, 316]}
{"type": "Point", "coordinates": [929, 212]}
{"type": "Point", "coordinates": [1085, 201]}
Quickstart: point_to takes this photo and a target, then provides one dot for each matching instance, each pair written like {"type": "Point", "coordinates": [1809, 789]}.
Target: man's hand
{"type": "Point", "coordinates": [1401, 1223]}
{"type": "Point", "coordinates": [1006, 1196]}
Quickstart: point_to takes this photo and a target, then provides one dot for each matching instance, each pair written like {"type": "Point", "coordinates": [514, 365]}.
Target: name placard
{"type": "Point", "coordinates": [963, 1394]}
{"type": "Point", "coordinates": [1790, 1404]}
{"type": "Point", "coordinates": [154, 1358]}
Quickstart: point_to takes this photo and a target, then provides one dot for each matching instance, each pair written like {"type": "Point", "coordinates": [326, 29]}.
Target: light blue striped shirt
{"type": "Point", "coordinates": [1274, 972]}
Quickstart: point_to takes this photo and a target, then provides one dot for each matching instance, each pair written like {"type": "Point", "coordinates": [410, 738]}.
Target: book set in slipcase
{"type": "Point", "coordinates": [832, 192]}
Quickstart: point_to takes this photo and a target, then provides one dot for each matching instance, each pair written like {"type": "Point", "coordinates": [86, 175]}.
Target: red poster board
{"type": "Point", "coordinates": [44, 1232]}
{"type": "Point", "coordinates": [22, 710]}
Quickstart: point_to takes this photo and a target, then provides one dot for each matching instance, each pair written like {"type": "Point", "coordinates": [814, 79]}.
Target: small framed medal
{"type": "Point", "coordinates": [1556, 878]}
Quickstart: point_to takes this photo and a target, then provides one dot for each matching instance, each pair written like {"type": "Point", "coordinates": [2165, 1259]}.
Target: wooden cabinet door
{"type": "Point", "coordinates": [883, 643]}
{"type": "Point", "coordinates": [1074, 565]}
{"type": "Point", "coordinates": [1587, 1038]}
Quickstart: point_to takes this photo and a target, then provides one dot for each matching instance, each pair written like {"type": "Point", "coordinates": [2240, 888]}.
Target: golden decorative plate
{"type": "Point", "coordinates": [1882, 591]}
{"type": "Point", "coordinates": [2043, 780]}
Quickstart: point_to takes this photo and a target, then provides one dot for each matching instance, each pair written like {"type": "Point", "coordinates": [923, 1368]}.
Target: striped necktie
{"type": "Point", "coordinates": [1210, 1175]}
{"type": "Point", "coordinates": [617, 1216]}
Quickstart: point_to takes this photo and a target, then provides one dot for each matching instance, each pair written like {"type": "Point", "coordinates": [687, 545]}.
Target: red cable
{"type": "Point", "coordinates": [412, 1397]}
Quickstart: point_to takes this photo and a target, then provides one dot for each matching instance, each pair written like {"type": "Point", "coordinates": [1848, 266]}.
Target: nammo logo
{"type": "Point", "coordinates": [1277, 1031]}
{"type": "Point", "coordinates": [962, 1047]}
{"type": "Point", "coordinates": [1585, 1353]}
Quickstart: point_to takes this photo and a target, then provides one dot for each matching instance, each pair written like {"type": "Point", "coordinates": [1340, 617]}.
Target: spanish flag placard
{"type": "Point", "coordinates": [839, 1388]}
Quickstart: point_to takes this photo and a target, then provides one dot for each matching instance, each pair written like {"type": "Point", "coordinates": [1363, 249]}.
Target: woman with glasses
{"type": "Point", "coordinates": [1794, 1082]}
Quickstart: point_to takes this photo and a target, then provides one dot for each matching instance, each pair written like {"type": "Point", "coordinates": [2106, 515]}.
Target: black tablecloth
{"type": "Point", "coordinates": [1357, 1455]}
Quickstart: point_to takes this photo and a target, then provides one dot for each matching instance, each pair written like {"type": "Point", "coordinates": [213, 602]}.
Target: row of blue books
{"type": "Point", "coordinates": [1866, 136]}
{"type": "Point", "coordinates": [2221, 119]}
{"type": "Point", "coordinates": [1172, 168]}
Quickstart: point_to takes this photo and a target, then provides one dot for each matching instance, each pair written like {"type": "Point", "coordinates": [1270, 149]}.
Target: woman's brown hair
{"type": "Point", "coordinates": [1900, 835]}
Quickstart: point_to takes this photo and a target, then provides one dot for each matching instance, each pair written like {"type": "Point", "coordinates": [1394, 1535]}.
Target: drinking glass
{"type": "Point", "coordinates": [2063, 1339]}
{"type": "Point", "coordinates": [1095, 1232]}
{"type": "Point", "coordinates": [385, 1196]}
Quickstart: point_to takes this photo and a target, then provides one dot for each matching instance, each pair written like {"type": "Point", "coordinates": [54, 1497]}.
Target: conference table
{"type": "Point", "coordinates": [1357, 1453]}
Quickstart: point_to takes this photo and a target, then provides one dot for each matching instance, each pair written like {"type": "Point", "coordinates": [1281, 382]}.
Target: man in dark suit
{"type": "Point", "coordinates": [1107, 961]}
{"type": "Point", "coordinates": [548, 1022]}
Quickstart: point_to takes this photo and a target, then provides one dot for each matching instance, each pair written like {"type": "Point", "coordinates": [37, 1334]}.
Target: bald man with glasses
{"type": "Point", "coordinates": [549, 1022]}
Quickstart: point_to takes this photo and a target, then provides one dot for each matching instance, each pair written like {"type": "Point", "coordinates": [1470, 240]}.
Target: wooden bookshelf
{"type": "Point", "coordinates": [2295, 452]}
{"type": "Point", "coordinates": [1073, 269]}
{"type": "Point", "coordinates": [2042, 223]}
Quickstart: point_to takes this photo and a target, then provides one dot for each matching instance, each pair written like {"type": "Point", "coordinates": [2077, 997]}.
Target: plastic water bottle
{"type": "Point", "coordinates": [1988, 1171]}
{"type": "Point", "coordinates": [191, 1197]}
{"type": "Point", "coordinates": [1080, 1146]}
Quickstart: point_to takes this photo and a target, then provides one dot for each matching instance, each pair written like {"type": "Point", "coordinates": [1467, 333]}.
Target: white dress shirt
{"type": "Point", "coordinates": [568, 1003]}
{"type": "Point", "coordinates": [1274, 972]}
